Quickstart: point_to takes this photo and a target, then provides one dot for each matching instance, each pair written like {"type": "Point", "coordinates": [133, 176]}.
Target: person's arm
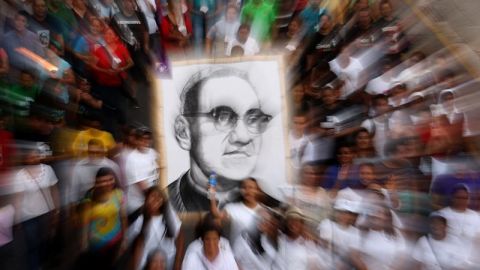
{"type": "Point", "coordinates": [214, 208]}
{"type": "Point", "coordinates": [4, 64]}
{"type": "Point", "coordinates": [180, 250]}
{"type": "Point", "coordinates": [356, 260]}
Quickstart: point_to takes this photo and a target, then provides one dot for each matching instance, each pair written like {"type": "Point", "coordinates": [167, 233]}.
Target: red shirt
{"type": "Point", "coordinates": [105, 61]}
{"type": "Point", "coordinates": [6, 149]}
{"type": "Point", "coordinates": [168, 28]}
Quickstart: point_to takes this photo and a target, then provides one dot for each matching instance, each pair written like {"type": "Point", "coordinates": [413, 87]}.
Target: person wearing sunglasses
{"type": "Point", "coordinates": [221, 125]}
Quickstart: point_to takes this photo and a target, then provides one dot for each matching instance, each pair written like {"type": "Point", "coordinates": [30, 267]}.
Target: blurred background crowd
{"type": "Point", "coordinates": [384, 137]}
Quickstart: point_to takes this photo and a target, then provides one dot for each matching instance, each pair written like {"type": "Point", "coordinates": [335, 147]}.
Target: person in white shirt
{"type": "Point", "coordinates": [36, 202]}
{"type": "Point", "coordinates": [210, 252]}
{"type": "Point", "coordinates": [242, 215]}
{"type": "Point", "coordinates": [340, 233]}
{"type": "Point", "coordinates": [248, 44]}
{"type": "Point", "coordinates": [141, 172]}
{"type": "Point", "coordinates": [382, 246]}
{"type": "Point", "coordinates": [157, 228]}
{"type": "Point", "coordinates": [298, 142]}
{"type": "Point", "coordinates": [84, 171]}
{"type": "Point", "coordinates": [222, 32]}
{"type": "Point", "coordinates": [295, 250]}
{"type": "Point", "coordinates": [462, 222]}
{"type": "Point", "coordinates": [439, 250]}
{"type": "Point", "coordinates": [256, 250]}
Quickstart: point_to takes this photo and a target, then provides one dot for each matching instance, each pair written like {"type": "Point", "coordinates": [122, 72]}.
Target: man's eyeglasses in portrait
{"type": "Point", "coordinates": [225, 119]}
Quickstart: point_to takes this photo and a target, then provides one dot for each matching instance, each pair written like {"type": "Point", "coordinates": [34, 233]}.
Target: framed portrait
{"type": "Point", "coordinates": [222, 118]}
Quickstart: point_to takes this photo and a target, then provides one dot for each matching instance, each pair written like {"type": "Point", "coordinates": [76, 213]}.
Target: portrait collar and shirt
{"type": "Point", "coordinates": [186, 195]}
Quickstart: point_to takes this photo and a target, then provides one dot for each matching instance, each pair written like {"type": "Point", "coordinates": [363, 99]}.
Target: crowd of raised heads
{"type": "Point", "coordinates": [383, 136]}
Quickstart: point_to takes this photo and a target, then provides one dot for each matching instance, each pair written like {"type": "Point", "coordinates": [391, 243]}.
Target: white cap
{"type": "Point", "coordinates": [342, 204]}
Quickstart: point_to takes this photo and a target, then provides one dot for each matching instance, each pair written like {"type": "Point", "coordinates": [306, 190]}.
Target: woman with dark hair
{"type": "Point", "coordinates": [211, 251]}
{"type": "Point", "coordinates": [104, 222]}
{"type": "Point", "coordinates": [462, 221]}
{"type": "Point", "coordinates": [439, 250]}
{"type": "Point", "coordinates": [156, 260]}
{"type": "Point", "coordinates": [364, 147]}
{"type": "Point", "coordinates": [241, 214]}
{"type": "Point", "coordinates": [158, 227]}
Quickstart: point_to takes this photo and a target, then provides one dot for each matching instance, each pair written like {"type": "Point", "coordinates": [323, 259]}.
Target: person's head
{"type": "Point", "coordinates": [386, 9]}
{"type": "Point", "coordinates": [156, 260]}
{"type": "Point", "coordinates": [221, 126]}
{"type": "Point", "coordinates": [155, 201]}
{"type": "Point", "coordinates": [96, 25]}
{"type": "Point", "coordinates": [237, 51]}
{"type": "Point", "coordinates": [83, 84]}
{"type": "Point", "coordinates": [20, 21]}
{"type": "Point", "coordinates": [243, 33]}
{"type": "Point", "coordinates": [40, 10]}
{"type": "Point", "coordinates": [325, 22]}
{"type": "Point", "coordinates": [460, 198]}
{"type": "Point", "coordinates": [315, 3]}
{"type": "Point", "coordinates": [294, 222]}
{"type": "Point", "coordinates": [346, 212]}
{"type": "Point", "coordinates": [143, 138]}
{"type": "Point", "coordinates": [27, 79]}
{"type": "Point", "coordinates": [330, 95]}
{"type": "Point", "coordinates": [32, 156]}
{"type": "Point", "coordinates": [268, 222]}
{"type": "Point", "coordinates": [364, 18]}
{"type": "Point", "coordinates": [380, 219]}
{"type": "Point", "coordinates": [211, 239]}
{"type": "Point", "coordinates": [128, 6]}
{"type": "Point", "coordinates": [109, 36]}
{"type": "Point", "coordinates": [250, 190]}
{"type": "Point", "coordinates": [96, 149]}
{"type": "Point", "coordinates": [438, 226]}
{"type": "Point", "coordinates": [298, 93]}
{"type": "Point", "coordinates": [129, 136]}
{"type": "Point", "coordinates": [345, 154]}
{"type": "Point", "coordinates": [231, 14]}
{"type": "Point", "coordinates": [311, 175]}
{"type": "Point", "coordinates": [380, 104]}
{"type": "Point", "coordinates": [363, 140]}
{"type": "Point", "coordinates": [367, 174]}
{"type": "Point", "coordinates": [295, 26]}
{"type": "Point", "coordinates": [299, 124]}
{"type": "Point", "coordinates": [361, 4]}
{"type": "Point", "coordinates": [105, 180]}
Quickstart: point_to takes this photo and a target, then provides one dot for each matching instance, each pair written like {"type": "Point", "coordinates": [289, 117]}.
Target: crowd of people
{"type": "Point", "coordinates": [384, 139]}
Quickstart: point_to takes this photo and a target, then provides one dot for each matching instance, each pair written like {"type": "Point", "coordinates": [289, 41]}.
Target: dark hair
{"type": "Point", "coordinates": [95, 142]}
{"type": "Point", "coordinates": [104, 171]}
{"type": "Point", "coordinates": [207, 224]}
{"type": "Point", "coordinates": [151, 255]}
{"type": "Point", "coordinates": [244, 26]}
{"type": "Point", "coordinates": [191, 91]}
{"type": "Point", "coordinates": [165, 210]}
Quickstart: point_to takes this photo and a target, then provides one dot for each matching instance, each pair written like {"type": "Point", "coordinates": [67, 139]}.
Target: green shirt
{"type": "Point", "coordinates": [261, 18]}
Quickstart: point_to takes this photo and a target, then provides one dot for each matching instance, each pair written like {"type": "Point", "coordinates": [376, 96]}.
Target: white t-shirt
{"type": "Point", "coordinates": [156, 238]}
{"type": "Point", "coordinates": [148, 8]}
{"type": "Point", "coordinates": [7, 218]}
{"type": "Point", "coordinates": [247, 259]}
{"type": "Point", "coordinates": [382, 251]}
{"type": "Point", "coordinates": [250, 47]}
{"type": "Point", "coordinates": [351, 75]}
{"type": "Point", "coordinates": [379, 85]}
{"type": "Point", "coordinates": [341, 238]}
{"type": "Point", "coordinates": [464, 225]}
{"type": "Point", "coordinates": [242, 218]}
{"type": "Point", "coordinates": [299, 254]}
{"type": "Point", "coordinates": [36, 199]}
{"type": "Point", "coordinates": [139, 167]}
{"type": "Point", "coordinates": [439, 255]}
{"type": "Point", "coordinates": [196, 260]}
{"type": "Point", "coordinates": [83, 176]}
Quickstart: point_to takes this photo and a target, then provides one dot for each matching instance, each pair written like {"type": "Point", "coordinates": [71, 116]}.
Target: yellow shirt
{"type": "Point", "coordinates": [80, 144]}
